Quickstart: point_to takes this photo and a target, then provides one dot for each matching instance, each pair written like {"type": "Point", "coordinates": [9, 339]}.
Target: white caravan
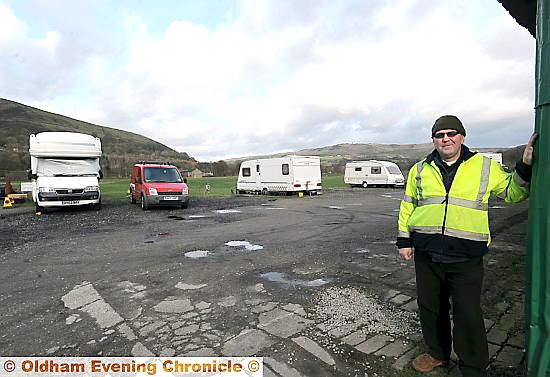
{"type": "Point", "coordinates": [373, 172]}
{"type": "Point", "coordinates": [65, 169]}
{"type": "Point", "coordinates": [281, 175]}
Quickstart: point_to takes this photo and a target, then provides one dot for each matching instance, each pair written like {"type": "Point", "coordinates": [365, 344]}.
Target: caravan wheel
{"type": "Point", "coordinates": [264, 191]}
{"type": "Point", "coordinates": [365, 185]}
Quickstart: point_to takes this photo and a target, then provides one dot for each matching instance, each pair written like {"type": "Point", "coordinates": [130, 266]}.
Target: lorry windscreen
{"type": "Point", "coordinates": [169, 175]}
{"type": "Point", "coordinates": [57, 167]}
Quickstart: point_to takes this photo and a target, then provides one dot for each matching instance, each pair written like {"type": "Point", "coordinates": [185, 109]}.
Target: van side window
{"type": "Point", "coordinates": [376, 170]}
{"type": "Point", "coordinates": [138, 176]}
{"type": "Point", "coordinates": [285, 169]}
{"type": "Point", "coordinates": [358, 169]}
{"type": "Point", "coordinates": [246, 172]}
{"type": "Point", "coordinates": [257, 168]}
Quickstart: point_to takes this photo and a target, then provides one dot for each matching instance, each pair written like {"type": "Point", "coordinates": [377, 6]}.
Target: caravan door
{"type": "Point", "coordinates": [258, 176]}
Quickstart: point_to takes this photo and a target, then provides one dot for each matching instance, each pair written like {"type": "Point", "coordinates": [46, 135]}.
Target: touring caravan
{"type": "Point", "coordinates": [281, 175]}
{"type": "Point", "coordinates": [373, 172]}
{"type": "Point", "coordinates": [65, 169]}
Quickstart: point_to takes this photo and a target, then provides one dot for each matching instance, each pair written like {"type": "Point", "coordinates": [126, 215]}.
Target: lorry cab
{"type": "Point", "coordinates": [65, 169]}
{"type": "Point", "coordinates": [158, 184]}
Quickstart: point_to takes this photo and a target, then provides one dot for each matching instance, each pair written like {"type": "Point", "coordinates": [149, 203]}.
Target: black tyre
{"type": "Point", "coordinates": [184, 205]}
{"type": "Point", "coordinates": [39, 209]}
{"type": "Point", "coordinates": [144, 204]}
{"type": "Point", "coordinates": [132, 197]}
{"type": "Point", "coordinates": [265, 192]}
{"type": "Point", "coordinates": [365, 185]}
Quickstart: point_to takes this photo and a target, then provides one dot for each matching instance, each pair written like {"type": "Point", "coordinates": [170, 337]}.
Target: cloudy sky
{"type": "Point", "coordinates": [231, 78]}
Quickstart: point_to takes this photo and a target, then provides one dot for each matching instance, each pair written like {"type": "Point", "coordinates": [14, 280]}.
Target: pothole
{"type": "Point", "coordinates": [282, 279]}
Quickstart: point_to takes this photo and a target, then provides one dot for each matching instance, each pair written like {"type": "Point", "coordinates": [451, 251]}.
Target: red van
{"type": "Point", "coordinates": [156, 184]}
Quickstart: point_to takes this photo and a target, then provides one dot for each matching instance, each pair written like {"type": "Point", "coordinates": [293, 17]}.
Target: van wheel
{"type": "Point", "coordinates": [39, 209]}
{"type": "Point", "coordinates": [365, 185]}
{"type": "Point", "coordinates": [184, 205]}
{"type": "Point", "coordinates": [144, 204]}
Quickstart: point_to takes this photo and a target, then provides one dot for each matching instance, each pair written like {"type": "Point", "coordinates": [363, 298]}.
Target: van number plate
{"type": "Point", "coordinates": [70, 202]}
{"type": "Point", "coordinates": [170, 198]}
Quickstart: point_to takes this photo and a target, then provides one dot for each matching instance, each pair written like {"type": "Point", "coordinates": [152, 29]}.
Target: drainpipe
{"type": "Point", "coordinates": [538, 257]}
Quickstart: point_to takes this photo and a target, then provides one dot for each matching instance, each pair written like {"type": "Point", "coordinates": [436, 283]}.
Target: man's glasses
{"type": "Point", "coordinates": [441, 135]}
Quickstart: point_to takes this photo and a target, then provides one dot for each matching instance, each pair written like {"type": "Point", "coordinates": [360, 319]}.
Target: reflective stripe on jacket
{"type": "Point", "coordinates": [463, 211]}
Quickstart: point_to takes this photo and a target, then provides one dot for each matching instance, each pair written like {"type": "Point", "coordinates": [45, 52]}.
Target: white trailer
{"type": "Point", "coordinates": [65, 169]}
{"type": "Point", "coordinates": [373, 172]}
{"type": "Point", "coordinates": [288, 174]}
{"type": "Point", "coordinates": [493, 156]}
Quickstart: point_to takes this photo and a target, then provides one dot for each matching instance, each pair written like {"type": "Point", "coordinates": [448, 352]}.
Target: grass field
{"type": "Point", "coordinates": [117, 188]}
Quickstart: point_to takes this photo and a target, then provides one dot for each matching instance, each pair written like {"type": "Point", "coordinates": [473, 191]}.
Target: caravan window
{"type": "Point", "coordinates": [246, 172]}
{"type": "Point", "coordinates": [358, 169]}
{"type": "Point", "coordinates": [285, 169]}
{"type": "Point", "coordinates": [257, 168]}
{"type": "Point", "coordinates": [376, 170]}
{"type": "Point", "coordinates": [393, 170]}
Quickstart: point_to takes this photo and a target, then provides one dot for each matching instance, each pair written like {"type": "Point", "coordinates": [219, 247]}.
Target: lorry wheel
{"type": "Point", "coordinates": [365, 185]}
{"type": "Point", "coordinates": [144, 204]}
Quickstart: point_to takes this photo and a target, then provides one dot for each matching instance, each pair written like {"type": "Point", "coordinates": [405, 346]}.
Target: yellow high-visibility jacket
{"type": "Point", "coordinates": [427, 208]}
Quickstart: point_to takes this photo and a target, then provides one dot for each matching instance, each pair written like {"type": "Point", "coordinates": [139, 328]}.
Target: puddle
{"type": "Point", "coordinates": [245, 245]}
{"type": "Point", "coordinates": [335, 207]}
{"type": "Point", "coordinates": [278, 277]}
{"type": "Point", "coordinates": [197, 254]}
{"type": "Point", "coordinates": [497, 207]}
{"type": "Point", "coordinates": [179, 218]}
{"type": "Point", "coordinates": [361, 251]}
{"type": "Point", "coordinates": [273, 208]}
{"type": "Point", "coordinates": [197, 216]}
{"type": "Point", "coordinates": [227, 211]}
{"type": "Point", "coordinates": [386, 196]}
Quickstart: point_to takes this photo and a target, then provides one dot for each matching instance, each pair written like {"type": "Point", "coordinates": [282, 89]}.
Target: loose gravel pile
{"type": "Point", "coordinates": [340, 308]}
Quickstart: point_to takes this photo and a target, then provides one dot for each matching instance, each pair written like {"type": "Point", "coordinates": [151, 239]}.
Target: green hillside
{"type": "Point", "coordinates": [121, 149]}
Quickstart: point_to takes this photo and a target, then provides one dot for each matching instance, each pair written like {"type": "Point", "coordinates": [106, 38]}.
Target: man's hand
{"type": "Point", "coordinates": [529, 149]}
{"type": "Point", "coordinates": [406, 253]}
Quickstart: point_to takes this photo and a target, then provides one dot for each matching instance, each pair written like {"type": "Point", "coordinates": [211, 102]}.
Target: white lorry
{"type": "Point", "coordinates": [288, 174]}
{"type": "Point", "coordinates": [65, 169]}
{"type": "Point", "coordinates": [373, 172]}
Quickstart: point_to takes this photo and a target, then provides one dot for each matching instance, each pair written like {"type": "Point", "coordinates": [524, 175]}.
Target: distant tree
{"type": "Point", "coordinates": [220, 169]}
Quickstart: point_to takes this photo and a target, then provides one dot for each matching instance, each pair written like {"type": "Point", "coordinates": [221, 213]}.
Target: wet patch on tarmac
{"type": "Point", "coordinates": [244, 245]}
{"type": "Point", "coordinates": [284, 281]}
{"type": "Point", "coordinates": [152, 238]}
{"type": "Point", "coordinates": [196, 254]}
{"type": "Point", "coordinates": [223, 211]}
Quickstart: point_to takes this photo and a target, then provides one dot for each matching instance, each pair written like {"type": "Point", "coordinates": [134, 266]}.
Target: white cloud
{"type": "Point", "coordinates": [286, 75]}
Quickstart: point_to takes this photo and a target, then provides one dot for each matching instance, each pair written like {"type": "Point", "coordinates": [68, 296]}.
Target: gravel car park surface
{"type": "Point", "coordinates": [314, 285]}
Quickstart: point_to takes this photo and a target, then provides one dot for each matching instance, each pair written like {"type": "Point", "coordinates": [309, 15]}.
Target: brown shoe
{"type": "Point", "coordinates": [426, 363]}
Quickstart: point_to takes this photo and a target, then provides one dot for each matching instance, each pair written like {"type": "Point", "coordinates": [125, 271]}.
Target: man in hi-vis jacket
{"type": "Point", "coordinates": [444, 224]}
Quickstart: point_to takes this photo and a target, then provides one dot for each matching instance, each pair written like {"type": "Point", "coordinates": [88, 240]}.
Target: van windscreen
{"type": "Point", "coordinates": [161, 175]}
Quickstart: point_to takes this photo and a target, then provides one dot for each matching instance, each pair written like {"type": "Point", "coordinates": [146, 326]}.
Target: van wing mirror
{"type": "Point", "coordinates": [31, 176]}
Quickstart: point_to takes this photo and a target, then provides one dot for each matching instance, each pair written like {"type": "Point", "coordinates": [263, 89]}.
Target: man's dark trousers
{"type": "Point", "coordinates": [461, 282]}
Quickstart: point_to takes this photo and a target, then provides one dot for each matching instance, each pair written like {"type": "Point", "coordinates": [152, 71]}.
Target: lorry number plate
{"type": "Point", "coordinates": [69, 202]}
{"type": "Point", "coordinates": [170, 198]}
